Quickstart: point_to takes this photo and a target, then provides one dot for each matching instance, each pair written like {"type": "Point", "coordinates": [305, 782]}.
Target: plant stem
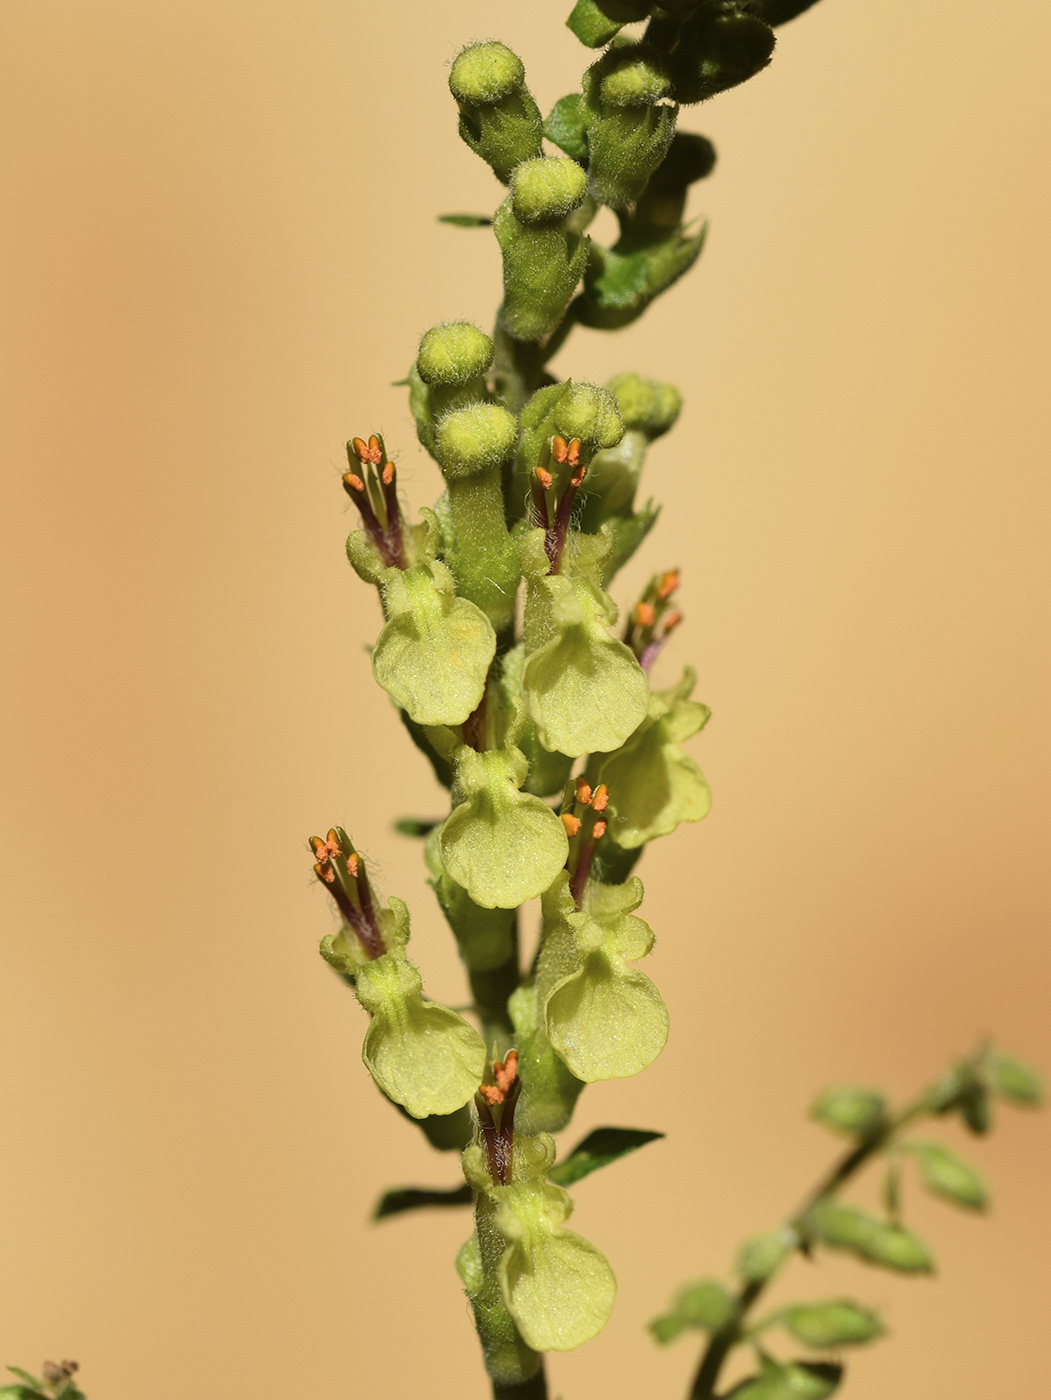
{"type": "Point", "coordinates": [533, 1389]}
{"type": "Point", "coordinates": [726, 1338]}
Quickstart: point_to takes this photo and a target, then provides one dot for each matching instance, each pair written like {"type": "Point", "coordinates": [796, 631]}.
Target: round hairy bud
{"type": "Point", "coordinates": [636, 80]}
{"type": "Point", "coordinates": [485, 73]}
{"type": "Point", "coordinates": [587, 412]}
{"type": "Point", "coordinates": [454, 354]}
{"type": "Point", "coordinates": [472, 440]}
{"type": "Point", "coordinates": [646, 404]}
{"type": "Point", "coordinates": [547, 189]}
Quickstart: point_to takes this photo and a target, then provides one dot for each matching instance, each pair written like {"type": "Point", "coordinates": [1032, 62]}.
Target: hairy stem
{"type": "Point", "coordinates": [533, 1389]}
{"type": "Point", "coordinates": [722, 1342]}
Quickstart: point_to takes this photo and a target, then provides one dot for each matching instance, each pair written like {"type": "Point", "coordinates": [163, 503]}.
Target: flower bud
{"type": "Point", "coordinates": [474, 440]}
{"type": "Point", "coordinates": [543, 263]}
{"type": "Point", "coordinates": [547, 189]}
{"type": "Point", "coordinates": [628, 133]}
{"type": "Point", "coordinates": [433, 655]}
{"type": "Point", "coordinates": [718, 47]}
{"type": "Point", "coordinates": [498, 118]}
{"type": "Point", "coordinates": [648, 409]}
{"type": "Point", "coordinates": [453, 353]}
{"type": "Point", "coordinates": [573, 409]}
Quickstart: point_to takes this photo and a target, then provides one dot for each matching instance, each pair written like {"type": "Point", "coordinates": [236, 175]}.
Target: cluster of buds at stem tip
{"type": "Point", "coordinates": [583, 816]}
{"type": "Point", "coordinates": [371, 485]}
{"type": "Point", "coordinates": [342, 871]}
{"type": "Point", "coordinates": [495, 1105]}
{"type": "Point", "coordinates": [650, 621]}
{"type": "Point", "coordinates": [554, 492]}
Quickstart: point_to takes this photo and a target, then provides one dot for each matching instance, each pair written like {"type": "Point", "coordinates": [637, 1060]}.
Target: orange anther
{"type": "Point", "coordinates": [573, 452]}
{"type": "Point", "coordinates": [361, 449]}
{"type": "Point", "coordinates": [388, 473]}
{"type": "Point", "coordinates": [375, 448]}
{"type": "Point", "coordinates": [571, 823]}
{"type": "Point", "coordinates": [644, 614]}
{"type": "Point", "coordinates": [544, 477]}
{"type": "Point", "coordinates": [325, 850]}
{"type": "Point", "coordinates": [579, 475]}
{"type": "Point", "coordinates": [325, 872]}
{"type": "Point", "coordinates": [559, 449]}
{"type": "Point", "coordinates": [601, 799]}
{"type": "Point", "coordinates": [491, 1094]}
{"type": "Point", "coordinates": [354, 482]}
{"type": "Point", "coordinates": [583, 792]}
{"type": "Point", "coordinates": [668, 584]}
{"type": "Point", "coordinates": [506, 1072]}
{"type": "Point", "coordinates": [599, 831]}
{"type": "Point", "coordinates": [353, 864]}
{"type": "Point", "coordinates": [673, 621]}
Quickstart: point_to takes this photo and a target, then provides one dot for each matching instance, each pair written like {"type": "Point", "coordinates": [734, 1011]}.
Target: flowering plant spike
{"type": "Point", "coordinates": [536, 699]}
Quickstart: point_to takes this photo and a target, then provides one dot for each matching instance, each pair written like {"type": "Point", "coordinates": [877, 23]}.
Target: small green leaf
{"type": "Point", "coordinates": [566, 127]}
{"type": "Point", "coordinates": [946, 1175]}
{"type": "Point", "coordinates": [1015, 1081]}
{"type": "Point", "coordinates": [705, 1305]}
{"type": "Point", "coordinates": [892, 1246]}
{"type": "Point", "coordinates": [415, 1198]}
{"type": "Point", "coordinates": [591, 26]}
{"type": "Point", "coordinates": [834, 1324]}
{"type": "Point", "coordinates": [799, 1380]}
{"type": "Point", "coordinates": [31, 1380]}
{"type": "Point", "coordinates": [599, 1149]}
{"type": "Point", "coordinates": [466, 220]}
{"type": "Point", "coordinates": [760, 1257]}
{"type": "Point", "coordinates": [848, 1109]}
{"type": "Point", "coordinates": [417, 827]}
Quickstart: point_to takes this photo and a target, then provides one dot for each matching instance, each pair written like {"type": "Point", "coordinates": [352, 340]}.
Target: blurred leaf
{"type": "Point", "coordinates": [599, 1149]}
{"type": "Point", "coordinates": [892, 1189]}
{"type": "Point", "coordinates": [20, 1392]}
{"type": "Point", "coordinates": [892, 1246]}
{"type": "Point", "coordinates": [799, 1380]}
{"type": "Point", "coordinates": [834, 1324]}
{"type": "Point", "coordinates": [947, 1175]}
{"type": "Point", "coordinates": [762, 1255]}
{"type": "Point", "coordinates": [466, 220]}
{"type": "Point", "coordinates": [415, 1198]}
{"type": "Point", "coordinates": [705, 1305]}
{"type": "Point", "coordinates": [848, 1109]}
{"type": "Point", "coordinates": [976, 1108]}
{"type": "Point", "coordinates": [29, 1379]}
{"type": "Point", "coordinates": [1015, 1081]}
{"type": "Point", "coordinates": [416, 826]}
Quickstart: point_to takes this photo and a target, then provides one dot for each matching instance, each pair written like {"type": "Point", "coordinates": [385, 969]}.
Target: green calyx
{"type": "Point", "coordinates": [421, 1055]}
{"type": "Point", "coordinates": [498, 118]}
{"type": "Point", "coordinates": [629, 126]}
{"type": "Point", "coordinates": [453, 354]}
{"type": "Point", "coordinates": [433, 655]}
{"type": "Point", "coordinates": [558, 1289]}
{"type": "Point", "coordinates": [604, 1019]}
{"type": "Point", "coordinates": [543, 264]}
{"type": "Point", "coordinates": [502, 845]}
{"type": "Point", "coordinates": [583, 689]}
{"type": "Point", "coordinates": [653, 784]}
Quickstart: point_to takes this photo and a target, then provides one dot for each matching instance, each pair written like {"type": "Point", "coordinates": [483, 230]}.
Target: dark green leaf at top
{"type": "Point", "coordinates": [949, 1176]}
{"type": "Point", "coordinates": [417, 827]}
{"type": "Point", "coordinates": [466, 221]}
{"type": "Point", "coordinates": [599, 1149]}
{"type": "Point", "coordinates": [415, 1198]}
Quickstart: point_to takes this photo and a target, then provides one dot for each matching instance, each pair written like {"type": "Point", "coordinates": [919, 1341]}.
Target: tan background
{"type": "Point", "coordinates": [219, 251]}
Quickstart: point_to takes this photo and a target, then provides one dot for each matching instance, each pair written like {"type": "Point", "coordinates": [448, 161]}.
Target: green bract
{"type": "Point", "coordinates": [654, 785]}
{"type": "Point", "coordinates": [558, 1288]}
{"type": "Point", "coordinates": [421, 1055]}
{"type": "Point", "coordinates": [502, 845]}
{"type": "Point", "coordinates": [603, 1018]}
{"type": "Point", "coordinates": [433, 656]}
{"type": "Point", "coordinates": [584, 689]}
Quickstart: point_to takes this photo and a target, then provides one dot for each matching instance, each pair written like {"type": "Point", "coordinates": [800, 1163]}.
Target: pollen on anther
{"type": "Point", "coordinates": [388, 473]}
{"type": "Point", "coordinates": [573, 452]}
{"type": "Point", "coordinates": [559, 449]}
{"type": "Point", "coordinates": [668, 584]}
{"type": "Point", "coordinates": [361, 449]}
{"type": "Point", "coordinates": [599, 830]}
{"type": "Point", "coordinates": [672, 622]}
{"type": "Point", "coordinates": [579, 475]}
{"type": "Point", "coordinates": [354, 482]}
{"type": "Point", "coordinates": [583, 792]}
{"type": "Point", "coordinates": [325, 872]}
{"type": "Point", "coordinates": [645, 614]}
{"type": "Point", "coordinates": [544, 477]}
{"type": "Point", "coordinates": [571, 823]}
{"type": "Point", "coordinates": [353, 864]}
{"type": "Point", "coordinates": [601, 799]}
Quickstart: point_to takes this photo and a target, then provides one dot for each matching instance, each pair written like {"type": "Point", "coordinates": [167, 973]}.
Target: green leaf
{"type": "Point", "coordinates": [599, 1149]}
{"type": "Point", "coordinates": [1015, 1081]}
{"type": "Point", "coordinates": [706, 1306]}
{"type": "Point", "coordinates": [417, 827]}
{"type": "Point", "coordinates": [591, 26]}
{"type": "Point", "coordinates": [799, 1380]}
{"type": "Point", "coordinates": [892, 1246]}
{"type": "Point", "coordinates": [20, 1392]}
{"type": "Point", "coordinates": [834, 1324]}
{"type": "Point", "coordinates": [416, 1198]}
{"type": "Point", "coordinates": [566, 127]}
{"type": "Point", "coordinates": [848, 1109]}
{"type": "Point", "coordinates": [466, 221]}
{"type": "Point", "coordinates": [31, 1380]}
{"type": "Point", "coordinates": [946, 1175]}
{"type": "Point", "coordinates": [760, 1257]}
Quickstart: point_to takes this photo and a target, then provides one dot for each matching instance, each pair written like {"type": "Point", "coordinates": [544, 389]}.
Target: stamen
{"type": "Point", "coordinates": [571, 823]}
{"type": "Point", "coordinates": [355, 482]}
{"type": "Point", "coordinates": [645, 614]}
{"type": "Point", "coordinates": [583, 792]}
{"type": "Point", "coordinates": [601, 799]}
{"type": "Point", "coordinates": [559, 449]}
{"type": "Point", "coordinates": [545, 478]}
